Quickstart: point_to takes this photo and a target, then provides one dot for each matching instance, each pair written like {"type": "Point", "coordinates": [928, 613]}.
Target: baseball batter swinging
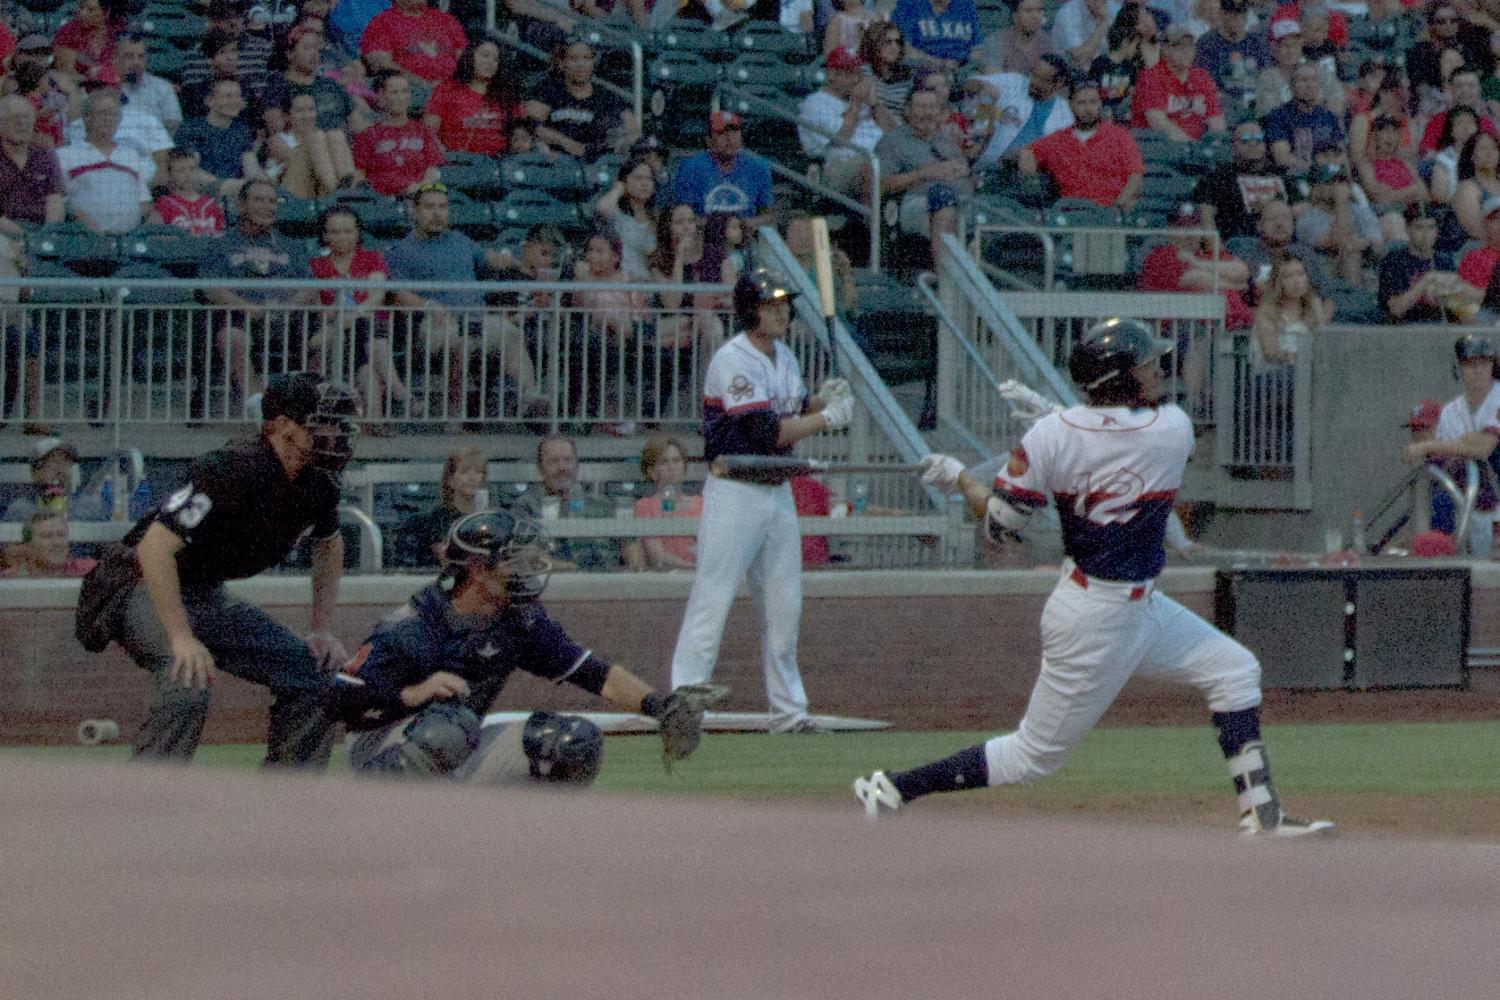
{"type": "Point", "coordinates": [755, 403]}
{"type": "Point", "coordinates": [1112, 467]}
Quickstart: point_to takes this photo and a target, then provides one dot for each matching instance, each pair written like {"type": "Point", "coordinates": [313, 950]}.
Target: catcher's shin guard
{"type": "Point", "coordinates": [1260, 806]}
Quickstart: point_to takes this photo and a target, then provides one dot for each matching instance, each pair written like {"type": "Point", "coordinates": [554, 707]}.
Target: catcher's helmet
{"type": "Point", "coordinates": [1472, 346]}
{"type": "Point", "coordinates": [325, 408]}
{"type": "Point", "coordinates": [564, 748]}
{"type": "Point", "coordinates": [499, 539]}
{"type": "Point", "coordinates": [754, 288]}
{"type": "Point", "coordinates": [1104, 362]}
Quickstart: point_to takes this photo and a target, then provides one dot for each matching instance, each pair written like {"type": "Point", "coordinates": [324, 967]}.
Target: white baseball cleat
{"type": "Point", "coordinates": [876, 791]}
{"type": "Point", "coordinates": [1279, 824]}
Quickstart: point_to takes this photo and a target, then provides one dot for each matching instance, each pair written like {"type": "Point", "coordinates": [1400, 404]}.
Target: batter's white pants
{"type": "Point", "coordinates": [747, 529]}
{"type": "Point", "coordinates": [1093, 639]}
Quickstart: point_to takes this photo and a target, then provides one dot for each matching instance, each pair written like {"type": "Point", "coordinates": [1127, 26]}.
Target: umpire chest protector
{"type": "Point", "coordinates": [238, 514]}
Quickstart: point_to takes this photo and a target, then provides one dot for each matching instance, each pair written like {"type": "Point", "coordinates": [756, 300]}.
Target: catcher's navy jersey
{"type": "Point", "coordinates": [425, 635]}
{"type": "Point", "coordinates": [1113, 473]}
{"type": "Point", "coordinates": [746, 393]}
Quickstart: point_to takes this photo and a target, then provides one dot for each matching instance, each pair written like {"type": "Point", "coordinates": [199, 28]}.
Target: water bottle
{"type": "Point", "coordinates": [860, 500]}
{"type": "Point", "coordinates": [668, 499]}
{"type": "Point", "coordinates": [1357, 540]}
{"type": "Point", "coordinates": [107, 497]}
{"type": "Point", "coordinates": [140, 501]}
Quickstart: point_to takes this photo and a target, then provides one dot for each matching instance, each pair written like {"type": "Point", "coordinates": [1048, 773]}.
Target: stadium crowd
{"type": "Point", "coordinates": [1346, 154]}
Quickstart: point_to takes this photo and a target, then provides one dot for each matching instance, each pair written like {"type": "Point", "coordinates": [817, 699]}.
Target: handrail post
{"type": "Point", "coordinates": [637, 80]}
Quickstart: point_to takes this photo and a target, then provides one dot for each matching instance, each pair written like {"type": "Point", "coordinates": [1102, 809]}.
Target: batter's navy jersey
{"type": "Point", "coordinates": [746, 393]}
{"type": "Point", "coordinates": [425, 635]}
{"type": "Point", "coordinates": [1113, 473]}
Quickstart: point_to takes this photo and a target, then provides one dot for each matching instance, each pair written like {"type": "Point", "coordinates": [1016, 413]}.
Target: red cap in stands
{"type": "Point", "coordinates": [1430, 544]}
{"type": "Point", "coordinates": [721, 120]}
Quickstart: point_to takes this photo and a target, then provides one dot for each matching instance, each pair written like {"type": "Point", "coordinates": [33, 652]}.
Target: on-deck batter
{"type": "Point", "coordinates": [755, 403]}
{"type": "Point", "coordinates": [1112, 467]}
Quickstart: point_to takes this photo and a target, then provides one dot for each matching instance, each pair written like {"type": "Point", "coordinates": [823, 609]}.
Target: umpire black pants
{"type": "Point", "coordinates": [246, 642]}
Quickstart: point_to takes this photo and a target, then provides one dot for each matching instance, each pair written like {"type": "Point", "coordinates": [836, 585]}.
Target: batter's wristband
{"type": "Point", "coordinates": [653, 705]}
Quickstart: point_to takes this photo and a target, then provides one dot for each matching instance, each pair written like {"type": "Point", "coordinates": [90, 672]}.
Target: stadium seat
{"type": "Point", "coordinates": [690, 36]}
{"type": "Point", "coordinates": [526, 208]}
{"type": "Point", "coordinates": [82, 252]}
{"type": "Point", "coordinates": [763, 36]}
{"type": "Point", "coordinates": [474, 174]}
{"type": "Point", "coordinates": [297, 216]}
{"type": "Point", "coordinates": [681, 93]}
{"type": "Point", "coordinates": [180, 28]}
{"type": "Point", "coordinates": [474, 218]}
{"type": "Point", "coordinates": [76, 293]}
{"type": "Point", "coordinates": [770, 70]}
{"type": "Point", "coordinates": [382, 218]}
{"type": "Point", "coordinates": [536, 172]}
{"type": "Point", "coordinates": [167, 246]}
{"type": "Point", "coordinates": [600, 175]}
{"type": "Point", "coordinates": [165, 59]}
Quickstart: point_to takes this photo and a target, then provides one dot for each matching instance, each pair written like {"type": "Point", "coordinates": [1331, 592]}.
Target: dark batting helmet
{"type": "Point", "coordinates": [754, 289]}
{"type": "Point", "coordinates": [499, 539]}
{"type": "Point", "coordinates": [325, 408]}
{"type": "Point", "coordinates": [1103, 363]}
{"type": "Point", "coordinates": [1472, 346]}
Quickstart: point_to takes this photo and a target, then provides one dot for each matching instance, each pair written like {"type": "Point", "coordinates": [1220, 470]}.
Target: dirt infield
{"type": "Point", "coordinates": [139, 884]}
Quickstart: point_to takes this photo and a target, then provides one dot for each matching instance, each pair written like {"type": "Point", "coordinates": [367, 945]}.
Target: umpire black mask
{"type": "Point", "coordinates": [324, 409]}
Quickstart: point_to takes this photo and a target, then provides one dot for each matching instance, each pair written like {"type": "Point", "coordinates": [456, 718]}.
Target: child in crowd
{"type": "Point", "coordinates": [847, 26]}
{"type": "Point", "coordinates": [184, 205]}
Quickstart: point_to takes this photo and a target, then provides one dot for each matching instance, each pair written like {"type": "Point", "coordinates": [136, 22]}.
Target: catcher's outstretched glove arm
{"type": "Point", "coordinates": [681, 719]}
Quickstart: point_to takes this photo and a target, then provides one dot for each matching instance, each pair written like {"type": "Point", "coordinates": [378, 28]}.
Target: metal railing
{"type": "Point", "coordinates": [1089, 252]}
{"type": "Point", "coordinates": [124, 352]}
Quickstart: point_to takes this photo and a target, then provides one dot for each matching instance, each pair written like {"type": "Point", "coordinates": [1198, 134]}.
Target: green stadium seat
{"type": "Point", "coordinates": [766, 69]}
{"type": "Point", "coordinates": [474, 218]}
{"type": "Point", "coordinates": [80, 251]}
{"type": "Point", "coordinates": [474, 174]}
{"type": "Point", "coordinates": [527, 208]}
{"type": "Point", "coordinates": [166, 246]}
{"type": "Point", "coordinates": [297, 216]}
{"type": "Point", "coordinates": [690, 36]}
{"type": "Point", "coordinates": [763, 36]}
{"type": "Point", "coordinates": [562, 176]}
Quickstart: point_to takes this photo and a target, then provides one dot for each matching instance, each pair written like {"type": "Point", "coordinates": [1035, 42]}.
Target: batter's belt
{"type": "Point", "coordinates": [1129, 590]}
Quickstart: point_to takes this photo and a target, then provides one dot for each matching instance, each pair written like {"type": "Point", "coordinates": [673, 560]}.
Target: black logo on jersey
{"type": "Point", "coordinates": [740, 388]}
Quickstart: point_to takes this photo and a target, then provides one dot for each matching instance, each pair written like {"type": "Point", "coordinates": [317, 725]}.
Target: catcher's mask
{"type": "Point", "coordinates": [504, 540]}
{"type": "Point", "coordinates": [326, 409]}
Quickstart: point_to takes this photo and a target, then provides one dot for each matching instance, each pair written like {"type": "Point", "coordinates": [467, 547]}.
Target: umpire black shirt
{"type": "Point", "coordinates": [239, 514]}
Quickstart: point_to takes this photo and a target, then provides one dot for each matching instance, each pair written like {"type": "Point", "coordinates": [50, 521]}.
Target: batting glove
{"type": "Point", "coordinates": [839, 414]}
{"type": "Point", "coordinates": [834, 389]}
{"type": "Point", "coordinates": [941, 472]}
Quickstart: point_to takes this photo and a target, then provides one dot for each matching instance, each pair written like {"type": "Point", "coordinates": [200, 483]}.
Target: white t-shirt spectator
{"type": "Point", "coordinates": [1074, 24]}
{"type": "Point", "coordinates": [140, 130]}
{"type": "Point", "coordinates": [824, 111]}
{"type": "Point", "coordinates": [155, 97]}
{"type": "Point", "coordinates": [109, 189]}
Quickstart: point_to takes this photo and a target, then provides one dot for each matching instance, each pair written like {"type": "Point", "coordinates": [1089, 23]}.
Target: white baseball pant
{"type": "Point", "coordinates": [1094, 638]}
{"type": "Point", "coordinates": [747, 529]}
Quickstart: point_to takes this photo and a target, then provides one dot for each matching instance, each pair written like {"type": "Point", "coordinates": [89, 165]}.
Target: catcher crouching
{"type": "Point", "coordinates": [416, 691]}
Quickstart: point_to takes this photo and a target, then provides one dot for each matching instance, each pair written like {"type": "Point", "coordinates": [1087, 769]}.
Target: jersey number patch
{"type": "Point", "coordinates": [1111, 499]}
{"type": "Point", "coordinates": [191, 508]}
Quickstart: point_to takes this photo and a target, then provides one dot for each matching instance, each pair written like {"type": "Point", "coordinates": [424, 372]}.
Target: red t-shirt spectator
{"type": "Point", "coordinates": [1478, 266]}
{"type": "Point", "coordinates": [75, 35]}
{"type": "Point", "coordinates": [426, 45]}
{"type": "Point", "coordinates": [1338, 25]}
{"type": "Point", "coordinates": [365, 263]}
{"type": "Point", "coordinates": [1096, 168]}
{"type": "Point", "coordinates": [7, 44]}
{"type": "Point", "coordinates": [202, 216]}
{"type": "Point", "coordinates": [812, 500]}
{"type": "Point", "coordinates": [394, 157]}
{"type": "Point", "coordinates": [1188, 104]}
{"type": "Point", "coordinates": [470, 121]}
{"type": "Point", "coordinates": [1434, 131]}
{"type": "Point", "coordinates": [1163, 271]}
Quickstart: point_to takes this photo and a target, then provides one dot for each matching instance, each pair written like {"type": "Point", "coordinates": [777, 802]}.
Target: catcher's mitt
{"type": "Point", "coordinates": [681, 719]}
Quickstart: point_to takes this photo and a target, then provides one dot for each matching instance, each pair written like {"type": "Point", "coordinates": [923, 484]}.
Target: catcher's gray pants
{"type": "Point", "coordinates": [497, 759]}
{"type": "Point", "coordinates": [245, 642]}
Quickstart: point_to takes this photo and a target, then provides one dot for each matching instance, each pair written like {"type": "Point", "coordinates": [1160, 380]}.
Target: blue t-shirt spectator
{"type": "Point", "coordinates": [242, 256]}
{"type": "Point", "coordinates": [451, 256]}
{"type": "Point", "coordinates": [744, 189]}
{"type": "Point", "coordinates": [1219, 57]}
{"type": "Point", "coordinates": [1305, 129]}
{"type": "Point", "coordinates": [950, 34]}
{"type": "Point", "coordinates": [219, 149]}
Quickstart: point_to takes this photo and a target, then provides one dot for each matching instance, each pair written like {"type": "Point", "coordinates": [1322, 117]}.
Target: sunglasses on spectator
{"type": "Point", "coordinates": [430, 186]}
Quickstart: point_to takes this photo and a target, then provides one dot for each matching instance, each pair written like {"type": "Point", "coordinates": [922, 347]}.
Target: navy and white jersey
{"type": "Point", "coordinates": [1113, 473]}
{"type": "Point", "coordinates": [425, 636]}
{"type": "Point", "coordinates": [746, 394]}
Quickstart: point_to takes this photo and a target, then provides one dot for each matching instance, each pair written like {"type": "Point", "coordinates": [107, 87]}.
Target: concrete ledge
{"type": "Point", "coordinates": [280, 591]}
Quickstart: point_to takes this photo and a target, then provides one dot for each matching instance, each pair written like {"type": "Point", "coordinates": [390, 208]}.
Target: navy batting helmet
{"type": "Point", "coordinates": [1104, 362]}
{"type": "Point", "coordinates": [499, 539]}
{"type": "Point", "coordinates": [323, 407]}
{"type": "Point", "coordinates": [1472, 346]}
{"type": "Point", "coordinates": [754, 289]}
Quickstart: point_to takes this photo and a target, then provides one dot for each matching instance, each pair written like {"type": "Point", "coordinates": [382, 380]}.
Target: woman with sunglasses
{"type": "Point", "coordinates": [883, 51]}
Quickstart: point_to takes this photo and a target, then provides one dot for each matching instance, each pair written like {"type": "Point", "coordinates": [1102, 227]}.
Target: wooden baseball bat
{"type": "Point", "coordinates": [823, 267]}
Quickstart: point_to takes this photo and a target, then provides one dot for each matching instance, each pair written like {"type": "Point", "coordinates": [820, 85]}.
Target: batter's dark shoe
{"type": "Point", "coordinates": [802, 725]}
{"type": "Point", "coordinates": [876, 791]}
